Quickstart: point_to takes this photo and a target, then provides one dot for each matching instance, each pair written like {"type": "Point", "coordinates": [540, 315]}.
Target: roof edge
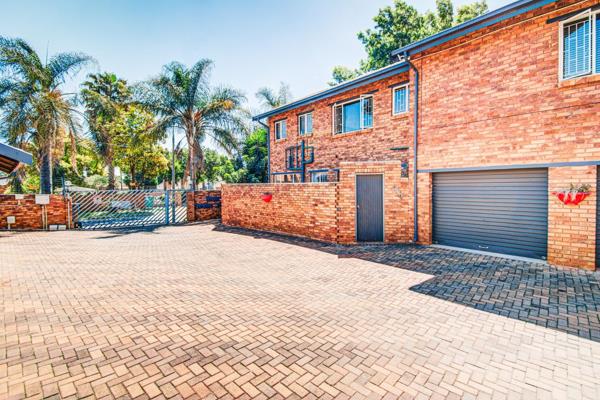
{"type": "Point", "coordinates": [362, 80]}
{"type": "Point", "coordinates": [483, 21]}
{"type": "Point", "coordinates": [15, 154]}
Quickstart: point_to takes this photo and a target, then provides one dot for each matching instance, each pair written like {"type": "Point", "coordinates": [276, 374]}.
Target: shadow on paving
{"type": "Point", "coordinates": [112, 233]}
{"type": "Point", "coordinates": [565, 299]}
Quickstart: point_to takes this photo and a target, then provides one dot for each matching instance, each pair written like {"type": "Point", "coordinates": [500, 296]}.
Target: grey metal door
{"type": "Point", "coordinates": [369, 208]}
{"type": "Point", "coordinates": [502, 211]}
{"type": "Point", "coordinates": [597, 219]}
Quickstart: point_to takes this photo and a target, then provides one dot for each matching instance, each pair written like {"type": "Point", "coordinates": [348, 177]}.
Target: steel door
{"type": "Point", "coordinates": [369, 208]}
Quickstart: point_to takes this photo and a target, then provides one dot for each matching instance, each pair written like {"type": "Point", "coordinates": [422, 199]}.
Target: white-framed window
{"type": "Point", "coordinates": [353, 115]}
{"type": "Point", "coordinates": [280, 129]}
{"type": "Point", "coordinates": [400, 99]}
{"type": "Point", "coordinates": [285, 178]}
{"type": "Point", "coordinates": [305, 124]}
{"type": "Point", "coordinates": [319, 176]}
{"type": "Point", "coordinates": [580, 45]}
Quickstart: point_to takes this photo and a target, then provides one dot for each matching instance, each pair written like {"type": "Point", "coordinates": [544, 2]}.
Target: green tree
{"type": "Point", "coordinates": [35, 112]}
{"type": "Point", "coordinates": [470, 11]}
{"type": "Point", "coordinates": [401, 24]}
{"type": "Point", "coordinates": [136, 146]}
{"type": "Point", "coordinates": [341, 74]}
{"type": "Point", "coordinates": [184, 99]}
{"type": "Point", "coordinates": [271, 99]}
{"type": "Point", "coordinates": [104, 96]}
{"type": "Point", "coordinates": [254, 157]}
{"type": "Point", "coordinates": [219, 167]}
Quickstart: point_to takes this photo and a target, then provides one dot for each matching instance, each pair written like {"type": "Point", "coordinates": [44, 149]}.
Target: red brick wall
{"type": "Point", "coordinates": [490, 98]}
{"type": "Point", "coordinates": [388, 131]}
{"type": "Point", "coordinates": [572, 228]}
{"type": "Point", "coordinates": [397, 200]}
{"type": "Point", "coordinates": [307, 210]}
{"type": "Point", "coordinates": [28, 215]}
{"type": "Point", "coordinates": [497, 100]}
{"type": "Point", "coordinates": [203, 197]}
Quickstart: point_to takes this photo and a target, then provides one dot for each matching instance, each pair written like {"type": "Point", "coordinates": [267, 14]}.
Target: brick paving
{"type": "Point", "coordinates": [203, 311]}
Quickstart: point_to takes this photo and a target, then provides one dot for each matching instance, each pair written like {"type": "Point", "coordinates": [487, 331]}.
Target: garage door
{"type": "Point", "coordinates": [499, 211]}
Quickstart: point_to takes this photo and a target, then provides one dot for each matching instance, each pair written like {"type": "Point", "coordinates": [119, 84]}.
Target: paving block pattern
{"type": "Point", "coordinates": [206, 312]}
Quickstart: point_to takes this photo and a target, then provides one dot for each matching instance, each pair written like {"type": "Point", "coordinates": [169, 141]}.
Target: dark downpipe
{"type": "Point", "coordinates": [268, 149]}
{"type": "Point", "coordinates": [415, 148]}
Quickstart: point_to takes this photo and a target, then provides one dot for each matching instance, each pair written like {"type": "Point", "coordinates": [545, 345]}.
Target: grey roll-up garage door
{"type": "Point", "coordinates": [501, 211]}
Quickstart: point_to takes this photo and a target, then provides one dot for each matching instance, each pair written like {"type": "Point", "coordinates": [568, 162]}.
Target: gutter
{"type": "Point", "coordinates": [268, 149]}
{"type": "Point", "coordinates": [415, 149]}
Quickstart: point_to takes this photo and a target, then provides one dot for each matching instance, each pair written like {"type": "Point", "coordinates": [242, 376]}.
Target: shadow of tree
{"type": "Point", "coordinates": [565, 299]}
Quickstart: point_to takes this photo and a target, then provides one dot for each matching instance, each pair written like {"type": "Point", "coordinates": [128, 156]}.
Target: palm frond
{"type": "Point", "coordinates": [64, 65]}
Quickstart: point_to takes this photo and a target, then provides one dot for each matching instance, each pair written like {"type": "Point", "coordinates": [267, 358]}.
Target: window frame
{"type": "Point", "coordinates": [280, 123]}
{"type": "Point", "coordinates": [592, 17]}
{"type": "Point", "coordinates": [314, 174]}
{"type": "Point", "coordinates": [407, 98]}
{"type": "Point", "coordinates": [305, 115]}
{"type": "Point", "coordinates": [359, 100]}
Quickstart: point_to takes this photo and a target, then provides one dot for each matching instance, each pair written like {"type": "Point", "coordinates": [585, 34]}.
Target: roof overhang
{"type": "Point", "coordinates": [11, 157]}
{"type": "Point", "coordinates": [481, 22]}
{"type": "Point", "coordinates": [362, 80]}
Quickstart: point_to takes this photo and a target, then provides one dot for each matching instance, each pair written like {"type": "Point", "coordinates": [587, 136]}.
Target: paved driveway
{"type": "Point", "coordinates": [203, 311]}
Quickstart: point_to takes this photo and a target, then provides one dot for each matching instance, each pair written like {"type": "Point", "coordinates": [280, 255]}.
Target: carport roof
{"type": "Point", "coordinates": [11, 157]}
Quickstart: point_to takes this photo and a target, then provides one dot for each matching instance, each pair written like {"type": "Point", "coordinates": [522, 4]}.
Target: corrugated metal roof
{"type": "Point", "coordinates": [362, 80]}
{"type": "Point", "coordinates": [483, 21]}
{"type": "Point", "coordinates": [10, 157]}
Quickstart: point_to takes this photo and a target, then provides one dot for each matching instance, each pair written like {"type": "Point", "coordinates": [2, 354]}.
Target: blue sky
{"type": "Point", "coordinates": [252, 43]}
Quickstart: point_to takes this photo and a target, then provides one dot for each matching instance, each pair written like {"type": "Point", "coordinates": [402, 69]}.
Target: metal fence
{"type": "Point", "coordinates": [128, 208]}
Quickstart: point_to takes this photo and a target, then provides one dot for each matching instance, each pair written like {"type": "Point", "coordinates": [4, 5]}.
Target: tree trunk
{"type": "Point", "coordinates": [132, 181]}
{"type": "Point", "coordinates": [46, 172]}
{"type": "Point", "coordinates": [111, 173]}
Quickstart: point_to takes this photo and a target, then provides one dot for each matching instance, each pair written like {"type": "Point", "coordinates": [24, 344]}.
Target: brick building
{"type": "Point", "coordinates": [503, 111]}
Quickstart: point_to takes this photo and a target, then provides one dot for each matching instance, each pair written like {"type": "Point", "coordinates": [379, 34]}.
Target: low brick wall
{"type": "Point", "coordinates": [308, 209]}
{"type": "Point", "coordinates": [204, 205]}
{"type": "Point", "coordinates": [28, 215]}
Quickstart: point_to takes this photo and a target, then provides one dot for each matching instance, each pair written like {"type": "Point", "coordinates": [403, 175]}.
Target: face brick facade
{"type": "Point", "coordinates": [489, 99]}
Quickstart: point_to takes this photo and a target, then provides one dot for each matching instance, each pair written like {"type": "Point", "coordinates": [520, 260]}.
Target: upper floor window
{"type": "Point", "coordinates": [580, 45]}
{"type": "Point", "coordinates": [280, 130]}
{"type": "Point", "coordinates": [353, 115]}
{"type": "Point", "coordinates": [305, 124]}
{"type": "Point", "coordinates": [400, 99]}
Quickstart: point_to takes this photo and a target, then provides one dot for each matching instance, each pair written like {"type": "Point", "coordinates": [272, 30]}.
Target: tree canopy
{"type": "Point", "coordinates": [401, 24]}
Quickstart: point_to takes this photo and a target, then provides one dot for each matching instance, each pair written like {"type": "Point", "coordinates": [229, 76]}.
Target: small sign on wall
{"type": "Point", "coordinates": [42, 199]}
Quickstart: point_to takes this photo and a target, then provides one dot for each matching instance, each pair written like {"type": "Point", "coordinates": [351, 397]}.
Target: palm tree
{"type": "Point", "coordinates": [270, 99]}
{"type": "Point", "coordinates": [34, 109]}
{"type": "Point", "coordinates": [104, 96]}
{"type": "Point", "coordinates": [183, 98]}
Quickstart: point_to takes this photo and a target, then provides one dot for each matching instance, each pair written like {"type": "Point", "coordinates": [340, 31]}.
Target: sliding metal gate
{"type": "Point", "coordinates": [109, 209]}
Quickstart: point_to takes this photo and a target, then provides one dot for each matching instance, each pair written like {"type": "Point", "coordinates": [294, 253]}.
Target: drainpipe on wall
{"type": "Point", "coordinates": [268, 149]}
{"type": "Point", "coordinates": [415, 148]}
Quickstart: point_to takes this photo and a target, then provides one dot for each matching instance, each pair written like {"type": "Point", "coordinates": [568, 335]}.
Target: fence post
{"type": "Point", "coordinates": [174, 206]}
{"type": "Point", "coordinates": [167, 207]}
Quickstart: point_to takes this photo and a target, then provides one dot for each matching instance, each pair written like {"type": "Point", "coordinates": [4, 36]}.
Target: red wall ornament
{"type": "Point", "coordinates": [266, 197]}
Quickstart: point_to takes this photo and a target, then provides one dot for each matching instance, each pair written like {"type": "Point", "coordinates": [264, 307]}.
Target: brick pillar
{"type": "Point", "coordinates": [191, 209]}
{"type": "Point", "coordinates": [425, 212]}
{"type": "Point", "coordinates": [572, 229]}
